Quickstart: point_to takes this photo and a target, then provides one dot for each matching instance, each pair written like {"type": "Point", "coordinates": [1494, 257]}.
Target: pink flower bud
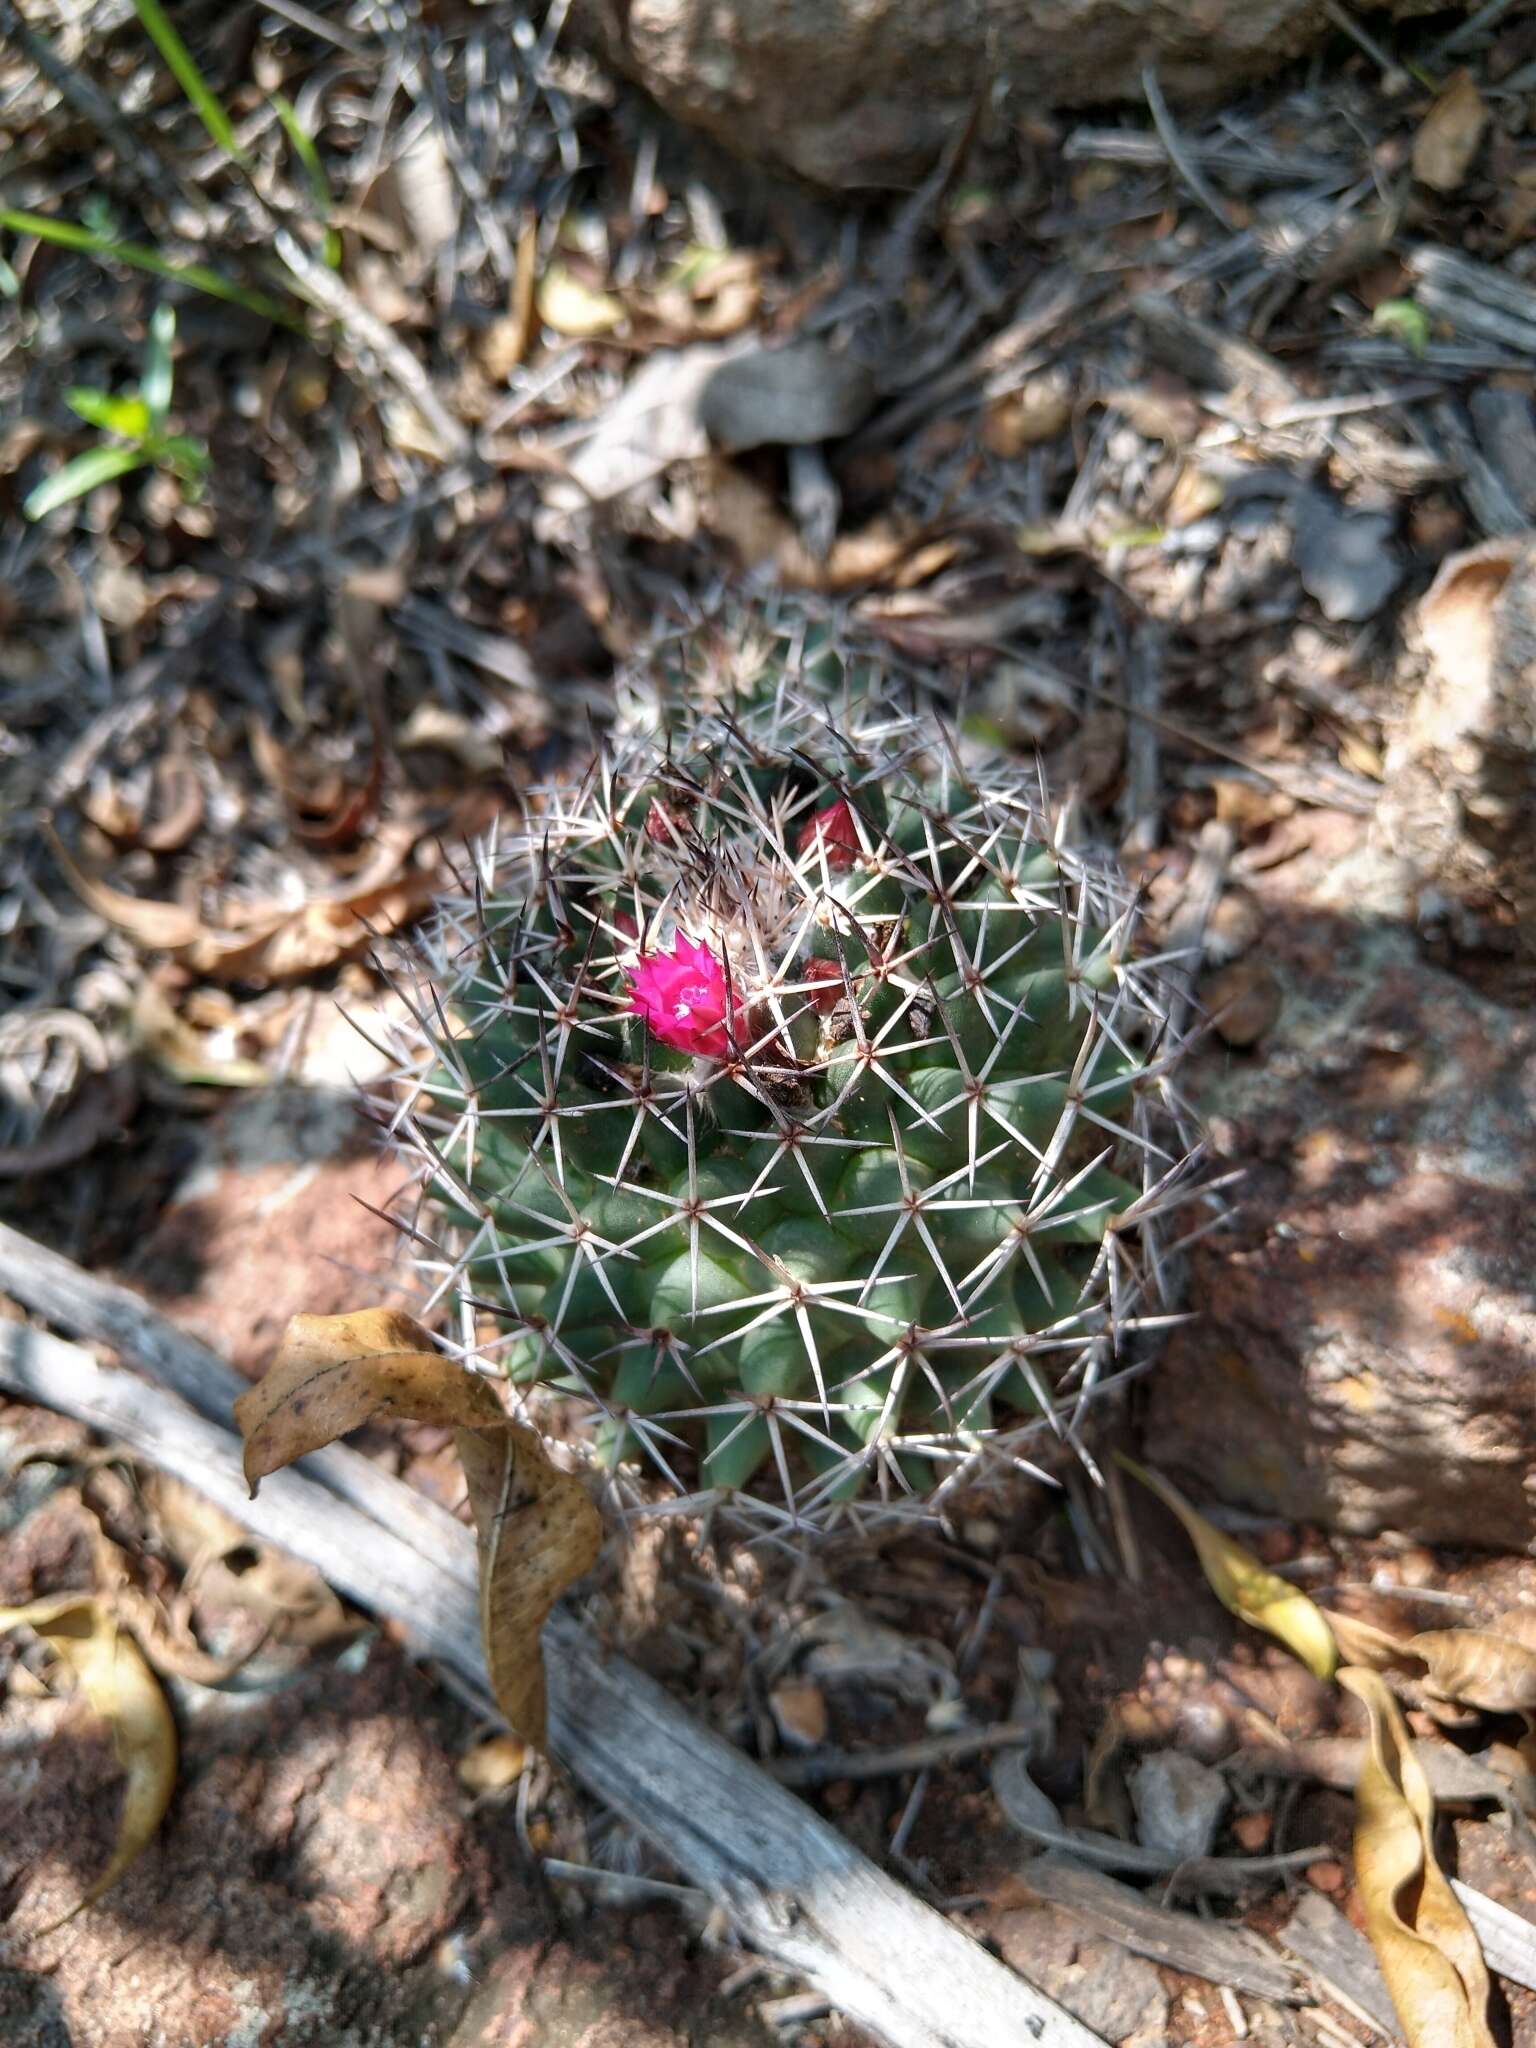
{"type": "Point", "coordinates": [682, 996]}
{"type": "Point", "coordinates": [828, 991]}
{"type": "Point", "coordinates": [834, 829]}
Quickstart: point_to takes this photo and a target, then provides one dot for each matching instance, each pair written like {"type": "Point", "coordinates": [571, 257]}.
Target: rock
{"type": "Point", "coordinates": [1363, 1353]}
{"type": "Point", "coordinates": [867, 95]}
{"type": "Point", "coordinates": [1344, 559]}
{"type": "Point", "coordinates": [1115, 1993]}
{"type": "Point", "coordinates": [1459, 801]}
{"type": "Point", "coordinates": [1179, 1803]}
{"type": "Point", "coordinates": [785, 397]}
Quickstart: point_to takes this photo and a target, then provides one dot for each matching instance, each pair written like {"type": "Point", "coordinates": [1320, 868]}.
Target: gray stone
{"type": "Point", "coordinates": [1179, 1803]}
{"type": "Point", "coordinates": [785, 397]}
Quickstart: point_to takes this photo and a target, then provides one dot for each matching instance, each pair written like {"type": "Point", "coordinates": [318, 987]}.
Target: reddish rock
{"type": "Point", "coordinates": [1364, 1349]}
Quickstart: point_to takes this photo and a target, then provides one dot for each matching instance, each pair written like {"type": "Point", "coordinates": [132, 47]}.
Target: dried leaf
{"type": "Point", "coordinates": [1361, 1642]}
{"type": "Point", "coordinates": [739, 510]}
{"type": "Point", "coordinates": [576, 310]}
{"type": "Point", "coordinates": [493, 1765]}
{"type": "Point", "coordinates": [1248, 1588]}
{"type": "Point", "coordinates": [538, 1533]}
{"type": "Point", "coordinates": [1423, 1940]}
{"type": "Point", "coordinates": [120, 1686]}
{"type": "Point", "coordinates": [537, 1527]}
{"type": "Point", "coordinates": [1450, 135]}
{"type": "Point", "coordinates": [1479, 1668]}
{"type": "Point", "coordinates": [182, 1053]}
{"type": "Point", "coordinates": [334, 1373]}
{"type": "Point", "coordinates": [270, 943]}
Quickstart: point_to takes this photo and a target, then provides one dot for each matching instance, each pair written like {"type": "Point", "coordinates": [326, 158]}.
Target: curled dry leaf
{"type": "Point", "coordinates": [1423, 1940]}
{"type": "Point", "coordinates": [269, 942]}
{"type": "Point", "coordinates": [538, 1530]}
{"type": "Point", "coordinates": [1245, 1586]}
{"type": "Point", "coordinates": [117, 1681]}
{"type": "Point", "coordinates": [1478, 1668]}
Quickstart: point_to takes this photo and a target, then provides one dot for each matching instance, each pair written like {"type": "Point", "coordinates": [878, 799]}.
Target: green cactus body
{"type": "Point", "coordinates": [799, 1109]}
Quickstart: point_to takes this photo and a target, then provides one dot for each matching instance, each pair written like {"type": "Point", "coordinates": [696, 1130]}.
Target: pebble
{"type": "Point", "coordinates": [1325, 1877]}
{"type": "Point", "coordinates": [1252, 1832]}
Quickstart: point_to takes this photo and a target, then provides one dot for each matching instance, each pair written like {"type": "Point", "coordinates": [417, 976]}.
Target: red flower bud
{"type": "Point", "coordinates": [834, 830]}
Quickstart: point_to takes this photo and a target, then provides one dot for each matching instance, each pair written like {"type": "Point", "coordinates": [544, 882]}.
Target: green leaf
{"type": "Point", "coordinates": [180, 61]}
{"type": "Point", "coordinates": [155, 378]}
{"type": "Point", "coordinates": [67, 234]}
{"type": "Point", "coordinates": [1405, 320]}
{"type": "Point", "coordinates": [75, 479]}
{"type": "Point", "coordinates": [127, 415]}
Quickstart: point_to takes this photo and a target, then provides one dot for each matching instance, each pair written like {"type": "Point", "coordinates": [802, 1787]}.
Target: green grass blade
{"type": "Point", "coordinates": [155, 379]}
{"type": "Point", "coordinates": [66, 234]}
{"type": "Point", "coordinates": [84, 473]}
{"type": "Point", "coordinates": [180, 61]}
{"type": "Point", "coordinates": [304, 149]}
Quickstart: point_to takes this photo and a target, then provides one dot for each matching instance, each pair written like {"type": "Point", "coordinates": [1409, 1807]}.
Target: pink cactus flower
{"type": "Point", "coordinates": [834, 829]}
{"type": "Point", "coordinates": [682, 996]}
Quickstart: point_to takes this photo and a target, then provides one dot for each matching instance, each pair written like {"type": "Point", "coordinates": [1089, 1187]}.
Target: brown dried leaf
{"type": "Point", "coordinates": [1361, 1642]}
{"type": "Point", "coordinates": [1450, 135]}
{"type": "Point", "coordinates": [270, 942]}
{"type": "Point", "coordinates": [120, 1686]}
{"type": "Point", "coordinates": [538, 1530]}
{"type": "Point", "coordinates": [1423, 1940]}
{"type": "Point", "coordinates": [334, 1373]}
{"type": "Point", "coordinates": [1479, 1668]}
{"type": "Point", "coordinates": [538, 1533]}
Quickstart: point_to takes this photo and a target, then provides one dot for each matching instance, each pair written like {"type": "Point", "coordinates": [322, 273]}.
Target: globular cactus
{"type": "Point", "coordinates": [801, 1105]}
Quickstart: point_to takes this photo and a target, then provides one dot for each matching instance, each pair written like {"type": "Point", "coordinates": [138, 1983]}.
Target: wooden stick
{"type": "Point", "coordinates": [791, 1883]}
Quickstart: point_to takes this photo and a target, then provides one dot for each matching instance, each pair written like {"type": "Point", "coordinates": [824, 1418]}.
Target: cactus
{"type": "Point", "coordinates": [801, 1107]}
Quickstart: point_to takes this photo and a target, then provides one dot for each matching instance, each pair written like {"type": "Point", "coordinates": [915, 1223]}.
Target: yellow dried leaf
{"type": "Point", "coordinates": [117, 1681]}
{"type": "Point", "coordinates": [576, 310]}
{"type": "Point", "coordinates": [1423, 1940]}
{"type": "Point", "coordinates": [1245, 1586]}
{"type": "Point", "coordinates": [1479, 1668]}
{"type": "Point", "coordinates": [537, 1528]}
